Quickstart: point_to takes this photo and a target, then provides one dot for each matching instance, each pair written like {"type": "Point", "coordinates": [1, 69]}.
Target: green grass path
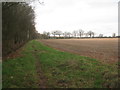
{"type": "Point", "coordinates": [60, 69]}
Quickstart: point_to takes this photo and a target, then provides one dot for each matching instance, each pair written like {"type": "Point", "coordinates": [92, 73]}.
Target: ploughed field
{"type": "Point", "coordinates": [102, 49]}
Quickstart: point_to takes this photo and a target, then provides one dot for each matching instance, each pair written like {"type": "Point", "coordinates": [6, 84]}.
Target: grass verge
{"type": "Point", "coordinates": [61, 69]}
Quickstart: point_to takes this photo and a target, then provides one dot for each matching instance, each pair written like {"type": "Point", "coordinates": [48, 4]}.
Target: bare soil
{"type": "Point", "coordinates": [105, 49]}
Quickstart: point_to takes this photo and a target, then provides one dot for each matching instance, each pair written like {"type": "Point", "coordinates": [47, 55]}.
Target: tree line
{"type": "Point", "coordinates": [18, 25]}
{"type": "Point", "coordinates": [75, 34]}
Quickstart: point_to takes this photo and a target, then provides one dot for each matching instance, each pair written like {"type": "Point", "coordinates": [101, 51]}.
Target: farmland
{"type": "Point", "coordinates": [36, 65]}
{"type": "Point", "coordinates": [59, 44]}
{"type": "Point", "coordinates": [105, 49]}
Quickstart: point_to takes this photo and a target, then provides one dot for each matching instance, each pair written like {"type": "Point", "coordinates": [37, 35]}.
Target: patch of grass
{"type": "Point", "coordinates": [62, 69]}
{"type": "Point", "coordinates": [20, 72]}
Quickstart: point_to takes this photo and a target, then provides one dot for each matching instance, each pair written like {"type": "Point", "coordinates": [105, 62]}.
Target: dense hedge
{"type": "Point", "coordinates": [17, 24]}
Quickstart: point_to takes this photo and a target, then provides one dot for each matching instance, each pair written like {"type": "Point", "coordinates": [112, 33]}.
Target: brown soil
{"type": "Point", "coordinates": [105, 49]}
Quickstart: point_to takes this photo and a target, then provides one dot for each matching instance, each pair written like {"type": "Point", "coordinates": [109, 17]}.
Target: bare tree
{"type": "Point", "coordinates": [100, 35]}
{"type": "Point", "coordinates": [93, 33]}
{"type": "Point", "coordinates": [75, 33]}
{"type": "Point", "coordinates": [68, 33]}
{"type": "Point", "coordinates": [114, 35]}
{"type": "Point", "coordinates": [58, 32]}
{"type": "Point", "coordinates": [65, 34]}
{"type": "Point", "coordinates": [90, 33]}
{"type": "Point", "coordinates": [80, 32]}
{"type": "Point", "coordinates": [54, 33]}
{"type": "Point", "coordinates": [86, 34]}
{"type": "Point", "coordinates": [48, 34]}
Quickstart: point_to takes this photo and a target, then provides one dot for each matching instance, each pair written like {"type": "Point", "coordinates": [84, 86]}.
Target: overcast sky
{"type": "Point", "coordinates": [100, 16]}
